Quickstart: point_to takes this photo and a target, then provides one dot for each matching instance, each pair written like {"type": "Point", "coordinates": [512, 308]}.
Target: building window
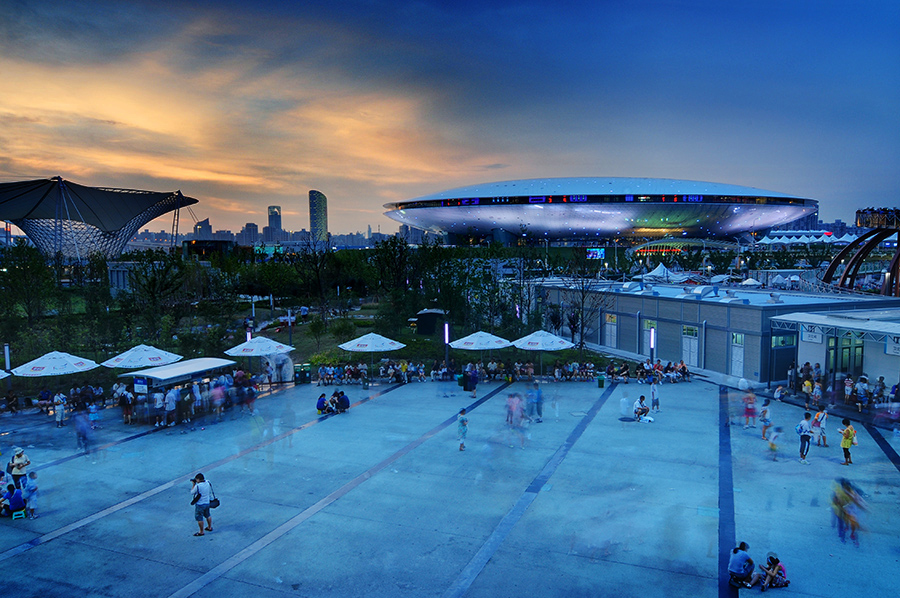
{"type": "Point", "coordinates": [783, 340]}
{"type": "Point", "coordinates": [648, 324]}
{"type": "Point", "coordinates": [690, 331]}
{"type": "Point", "coordinates": [737, 338]}
{"type": "Point", "coordinates": [611, 319]}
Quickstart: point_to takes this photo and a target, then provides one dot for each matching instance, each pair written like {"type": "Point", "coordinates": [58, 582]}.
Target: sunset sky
{"type": "Point", "coordinates": [248, 104]}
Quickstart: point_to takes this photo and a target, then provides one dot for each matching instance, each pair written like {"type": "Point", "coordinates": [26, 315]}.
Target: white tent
{"type": "Point", "coordinates": [258, 346]}
{"type": "Point", "coordinates": [720, 278]}
{"type": "Point", "coordinates": [141, 356]}
{"type": "Point", "coordinates": [779, 280]}
{"type": "Point", "coordinates": [480, 341]}
{"type": "Point", "coordinates": [371, 343]}
{"type": "Point", "coordinates": [55, 363]}
{"type": "Point", "coordinates": [751, 282]}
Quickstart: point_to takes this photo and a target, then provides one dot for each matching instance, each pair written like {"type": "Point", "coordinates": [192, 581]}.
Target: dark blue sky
{"type": "Point", "coordinates": [246, 104]}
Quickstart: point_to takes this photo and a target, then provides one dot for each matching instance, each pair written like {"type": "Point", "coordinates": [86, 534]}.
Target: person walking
{"type": "Point", "coordinates": [462, 428]}
{"type": "Point", "coordinates": [804, 429]}
{"type": "Point", "coordinates": [201, 491]}
{"type": "Point", "coordinates": [536, 403]}
{"type": "Point", "coordinates": [654, 394]}
{"type": "Point", "coordinates": [749, 410]}
{"type": "Point", "coordinates": [848, 439]}
{"type": "Point", "coordinates": [818, 427]}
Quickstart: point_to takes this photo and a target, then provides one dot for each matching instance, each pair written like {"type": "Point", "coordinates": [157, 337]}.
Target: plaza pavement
{"type": "Point", "coordinates": [380, 502]}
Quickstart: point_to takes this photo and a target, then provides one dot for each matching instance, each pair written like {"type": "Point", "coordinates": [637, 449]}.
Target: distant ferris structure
{"type": "Point", "coordinates": [318, 216]}
{"type": "Point", "coordinates": [74, 221]}
{"type": "Point", "coordinates": [600, 207]}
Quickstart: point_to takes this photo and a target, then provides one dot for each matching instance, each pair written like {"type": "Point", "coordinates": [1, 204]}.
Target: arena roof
{"type": "Point", "coordinates": [103, 208]}
{"type": "Point", "coordinates": [601, 206]}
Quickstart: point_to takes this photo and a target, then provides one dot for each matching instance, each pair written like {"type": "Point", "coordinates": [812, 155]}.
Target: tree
{"type": "Point", "coordinates": [155, 280]}
{"type": "Point", "coordinates": [316, 329]}
{"type": "Point", "coordinates": [25, 279]}
{"type": "Point", "coordinates": [585, 295]}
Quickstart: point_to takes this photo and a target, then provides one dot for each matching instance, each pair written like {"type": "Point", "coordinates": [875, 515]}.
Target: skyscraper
{"type": "Point", "coordinates": [275, 218]}
{"type": "Point", "coordinates": [318, 217]}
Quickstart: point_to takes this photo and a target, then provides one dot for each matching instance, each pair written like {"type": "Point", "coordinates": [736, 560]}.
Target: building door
{"type": "Point", "coordinates": [690, 345]}
{"type": "Point", "coordinates": [737, 354]}
{"type": "Point", "coordinates": [610, 331]}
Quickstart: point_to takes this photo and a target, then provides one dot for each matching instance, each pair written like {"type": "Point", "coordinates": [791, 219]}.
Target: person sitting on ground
{"type": "Point", "coordinates": [321, 404]}
{"type": "Point", "coordinates": [640, 409]}
{"type": "Point", "coordinates": [611, 370]}
{"type": "Point", "coordinates": [740, 567]}
{"type": "Point", "coordinates": [682, 371]}
{"type": "Point", "coordinates": [779, 393]}
{"type": "Point", "coordinates": [774, 575]}
{"type": "Point", "coordinates": [640, 373]}
{"type": "Point", "coordinates": [669, 372]}
{"type": "Point", "coordinates": [343, 402]}
{"type": "Point", "coordinates": [12, 501]}
{"type": "Point", "coordinates": [624, 372]}
{"type": "Point", "coordinates": [12, 401]}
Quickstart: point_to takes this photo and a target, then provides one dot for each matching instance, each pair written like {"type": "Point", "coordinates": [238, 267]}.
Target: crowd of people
{"type": "Point", "coordinates": [809, 381]}
{"type": "Point", "coordinates": [645, 371]}
{"type": "Point", "coordinates": [21, 495]}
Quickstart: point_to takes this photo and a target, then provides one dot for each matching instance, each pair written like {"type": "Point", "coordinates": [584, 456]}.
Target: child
{"type": "Point", "coordinates": [462, 428]}
{"type": "Point", "coordinates": [94, 415]}
{"type": "Point", "coordinates": [779, 393]}
{"type": "Point", "coordinates": [817, 394]}
{"type": "Point", "coordinates": [30, 494]}
{"type": "Point", "coordinates": [818, 426]}
{"type": "Point", "coordinates": [765, 418]}
{"type": "Point", "coordinates": [773, 443]}
{"type": "Point", "coordinates": [654, 395]}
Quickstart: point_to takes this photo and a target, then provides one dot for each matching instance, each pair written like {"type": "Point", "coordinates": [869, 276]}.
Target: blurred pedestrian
{"type": "Point", "coordinates": [765, 417]}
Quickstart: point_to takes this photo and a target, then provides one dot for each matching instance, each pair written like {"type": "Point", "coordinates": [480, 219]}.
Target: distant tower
{"type": "Point", "coordinates": [369, 232]}
{"type": "Point", "coordinates": [318, 217]}
{"type": "Point", "coordinates": [275, 217]}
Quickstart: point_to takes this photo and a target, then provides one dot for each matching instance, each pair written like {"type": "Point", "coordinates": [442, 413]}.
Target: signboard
{"type": "Point", "coordinates": [892, 345]}
{"type": "Point", "coordinates": [140, 386]}
{"type": "Point", "coordinates": [809, 335]}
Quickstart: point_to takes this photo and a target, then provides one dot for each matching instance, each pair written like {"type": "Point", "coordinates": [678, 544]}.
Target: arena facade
{"type": "Point", "coordinates": [600, 207]}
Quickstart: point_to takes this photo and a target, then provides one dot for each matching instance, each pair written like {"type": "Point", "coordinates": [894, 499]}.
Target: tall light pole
{"type": "Point", "coordinates": [447, 345]}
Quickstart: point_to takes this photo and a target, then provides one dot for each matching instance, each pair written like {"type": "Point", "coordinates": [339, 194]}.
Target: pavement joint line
{"type": "Point", "coordinates": [52, 535]}
{"type": "Point", "coordinates": [476, 565]}
{"type": "Point", "coordinates": [247, 552]}
{"type": "Point", "coordinates": [884, 445]}
{"type": "Point", "coordinates": [726, 528]}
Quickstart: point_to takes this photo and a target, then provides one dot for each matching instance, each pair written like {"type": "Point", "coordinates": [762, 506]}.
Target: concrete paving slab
{"type": "Point", "coordinates": [379, 501]}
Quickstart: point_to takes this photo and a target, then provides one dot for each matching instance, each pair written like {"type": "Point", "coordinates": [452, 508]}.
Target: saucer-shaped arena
{"type": "Point", "coordinates": [584, 207]}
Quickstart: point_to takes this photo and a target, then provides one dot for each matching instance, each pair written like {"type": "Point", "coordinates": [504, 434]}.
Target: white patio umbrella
{"type": "Point", "coordinates": [480, 341]}
{"type": "Point", "coordinates": [371, 343]}
{"type": "Point", "coordinates": [258, 346]}
{"type": "Point", "coordinates": [3, 374]}
{"type": "Point", "coordinates": [542, 341]}
{"type": "Point", "coordinates": [141, 356]}
{"type": "Point", "coordinates": [55, 363]}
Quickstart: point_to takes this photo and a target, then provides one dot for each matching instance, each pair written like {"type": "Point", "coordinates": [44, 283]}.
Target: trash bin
{"type": "Point", "coordinates": [302, 373]}
{"type": "Point", "coordinates": [365, 383]}
{"type": "Point", "coordinates": [601, 381]}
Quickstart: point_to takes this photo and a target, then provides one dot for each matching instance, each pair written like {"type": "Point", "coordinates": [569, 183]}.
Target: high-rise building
{"type": "Point", "coordinates": [275, 218]}
{"type": "Point", "coordinates": [318, 217]}
{"type": "Point", "coordinates": [249, 235]}
{"type": "Point", "coordinates": [203, 230]}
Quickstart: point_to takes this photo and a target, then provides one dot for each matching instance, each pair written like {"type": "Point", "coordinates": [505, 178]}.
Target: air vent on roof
{"type": "Point", "coordinates": [774, 298]}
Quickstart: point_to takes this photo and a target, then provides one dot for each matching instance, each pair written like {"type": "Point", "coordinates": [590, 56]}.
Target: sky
{"type": "Point", "coordinates": [248, 104]}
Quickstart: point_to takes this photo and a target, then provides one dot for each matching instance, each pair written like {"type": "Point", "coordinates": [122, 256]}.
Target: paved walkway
{"type": "Point", "coordinates": [379, 501]}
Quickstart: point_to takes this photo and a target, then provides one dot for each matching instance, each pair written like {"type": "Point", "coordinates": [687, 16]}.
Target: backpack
{"type": "Point", "coordinates": [799, 429]}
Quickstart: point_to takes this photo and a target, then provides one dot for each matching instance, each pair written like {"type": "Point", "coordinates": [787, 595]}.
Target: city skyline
{"type": "Point", "coordinates": [246, 105]}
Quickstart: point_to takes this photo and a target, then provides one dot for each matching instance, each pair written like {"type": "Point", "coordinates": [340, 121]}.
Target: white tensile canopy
{"type": "Point", "coordinates": [55, 363]}
{"type": "Point", "coordinates": [751, 282]}
{"type": "Point", "coordinates": [258, 346]}
{"type": "Point", "coordinates": [371, 343]}
{"type": "Point", "coordinates": [480, 341]}
{"type": "Point", "coordinates": [141, 356]}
